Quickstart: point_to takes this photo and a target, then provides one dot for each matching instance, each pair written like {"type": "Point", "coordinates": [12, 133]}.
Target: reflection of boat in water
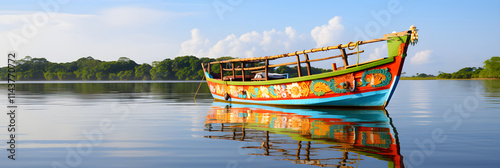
{"type": "Point", "coordinates": [314, 133]}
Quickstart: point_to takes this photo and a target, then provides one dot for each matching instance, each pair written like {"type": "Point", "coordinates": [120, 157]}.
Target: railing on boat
{"type": "Point", "coordinates": [266, 66]}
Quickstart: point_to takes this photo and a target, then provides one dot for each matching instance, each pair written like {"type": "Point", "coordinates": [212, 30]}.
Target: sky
{"type": "Point", "coordinates": [452, 34]}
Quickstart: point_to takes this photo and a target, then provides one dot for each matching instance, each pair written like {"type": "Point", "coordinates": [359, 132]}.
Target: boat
{"type": "Point", "coordinates": [368, 84]}
{"type": "Point", "coordinates": [320, 137]}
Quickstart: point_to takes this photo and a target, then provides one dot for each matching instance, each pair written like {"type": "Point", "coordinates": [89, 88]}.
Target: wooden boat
{"type": "Point", "coordinates": [289, 134]}
{"type": "Point", "coordinates": [367, 84]}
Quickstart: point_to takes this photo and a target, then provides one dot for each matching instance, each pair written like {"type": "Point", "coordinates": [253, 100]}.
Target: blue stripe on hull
{"type": "Point", "coordinates": [369, 99]}
{"type": "Point", "coordinates": [375, 98]}
{"type": "Point", "coordinates": [393, 88]}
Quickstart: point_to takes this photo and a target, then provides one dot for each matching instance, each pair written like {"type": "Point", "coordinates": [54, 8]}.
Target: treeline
{"type": "Point", "coordinates": [423, 75]}
{"type": "Point", "coordinates": [88, 68]}
{"type": "Point", "coordinates": [491, 69]}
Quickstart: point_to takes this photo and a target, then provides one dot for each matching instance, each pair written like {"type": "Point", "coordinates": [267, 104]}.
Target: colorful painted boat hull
{"type": "Point", "coordinates": [367, 85]}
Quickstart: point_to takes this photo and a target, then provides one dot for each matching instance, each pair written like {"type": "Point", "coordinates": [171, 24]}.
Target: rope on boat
{"type": "Point", "coordinates": [356, 45]}
{"type": "Point", "coordinates": [198, 88]}
{"type": "Point", "coordinates": [226, 94]}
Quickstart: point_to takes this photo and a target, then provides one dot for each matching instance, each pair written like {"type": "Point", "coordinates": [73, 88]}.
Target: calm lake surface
{"type": "Point", "coordinates": [436, 123]}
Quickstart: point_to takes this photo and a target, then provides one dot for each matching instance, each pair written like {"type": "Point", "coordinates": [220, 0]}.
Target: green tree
{"type": "Point", "coordinates": [87, 62]}
{"type": "Point", "coordinates": [48, 75]}
{"type": "Point", "coordinates": [444, 75]}
{"type": "Point", "coordinates": [4, 73]}
{"type": "Point", "coordinates": [32, 68]}
{"type": "Point", "coordinates": [491, 68]}
{"type": "Point", "coordinates": [125, 75]}
{"type": "Point", "coordinates": [112, 76]}
{"type": "Point", "coordinates": [215, 68]}
{"type": "Point", "coordinates": [123, 59]}
{"type": "Point", "coordinates": [424, 75]}
{"type": "Point", "coordinates": [184, 67]}
{"type": "Point", "coordinates": [143, 72]}
{"type": "Point", "coordinates": [101, 76]}
{"type": "Point", "coordinates": [466, 73]}
{"type": "Point", "coordinates": [85, 73]}
{"type": "Point", "coordinates": [162, 70]}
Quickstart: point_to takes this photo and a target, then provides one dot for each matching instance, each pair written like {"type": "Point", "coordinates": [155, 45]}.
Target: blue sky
{"type": "Point", "coordinates": [453, 34]}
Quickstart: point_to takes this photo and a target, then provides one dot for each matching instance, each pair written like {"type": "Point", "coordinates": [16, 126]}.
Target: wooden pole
{"type": "Point", "coordinates": [242, 72]}
{"type": "Point", "coordinates": [308, 64]}
{"type": "Point", "coordinates": [234, 72]}
{"type": "Point", "coordinates": [266, 144]}
{"type": "Point", "coordinates": [298, 66]}
{"type": "Point", "coordinates": [243, 132]}
{"type": "Point", "coordinates": [307, 149]}
{"type": "Point", "coordinates": [266, 69]}
{"type": "Point", "coordinates": [344, 57]}
{"type": "Point", "coordinates": [299, 146]}
{"type": "Point", "coordinates": [221, 72]}
{"type": "Point", "coordinates": [208, 69]}
{"type": "Point", "coordinates": [203, 67]}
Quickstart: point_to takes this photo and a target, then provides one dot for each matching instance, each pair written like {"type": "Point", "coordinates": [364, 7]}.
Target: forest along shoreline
{"type": "Point", "coordinates": [185, 68]}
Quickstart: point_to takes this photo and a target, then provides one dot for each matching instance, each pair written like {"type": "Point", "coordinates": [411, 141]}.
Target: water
{"type": "Point", "coordinates": [441, 123]}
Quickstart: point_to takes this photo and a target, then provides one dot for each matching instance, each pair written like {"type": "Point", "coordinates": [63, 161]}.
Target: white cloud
{"type": "Point", "coordinates": [380, 52]}
{"type": "Point", "coordinates": [247, 45]}
{"type": "Point", "coordinates": [107, 35]}
{"type": "Point", "coordinates": [291, 32]}
{"type": "Point", "coordinates": [264, 43]}
{"type": "Point", "coordinates": [196, 45]}
{"type": "Point", "coordinates": [421, 57]}
{"type": "Point", "coordinates": [326, 35]}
